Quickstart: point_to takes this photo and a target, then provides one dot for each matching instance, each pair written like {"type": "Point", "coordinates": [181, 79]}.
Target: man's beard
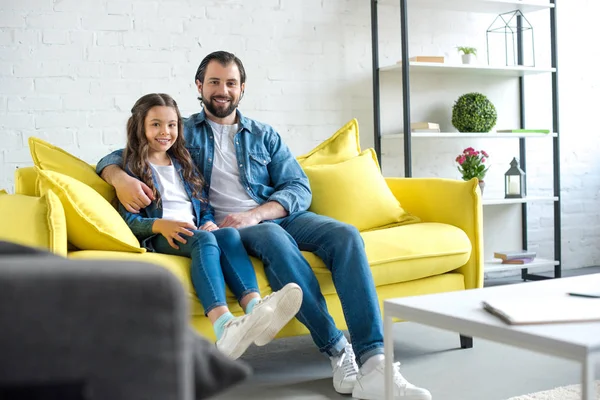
{"type": "Point", "coordinates": [220, 112]}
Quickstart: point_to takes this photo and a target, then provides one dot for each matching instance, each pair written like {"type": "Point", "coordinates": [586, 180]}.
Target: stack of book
{"type": "Point", "coordinates": [515, 256]}
{"type": "Point", "coordinates": [424, 127]}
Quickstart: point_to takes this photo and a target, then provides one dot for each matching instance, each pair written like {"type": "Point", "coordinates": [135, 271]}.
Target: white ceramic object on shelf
{"type": "Point", "coordinates": [469, 59]}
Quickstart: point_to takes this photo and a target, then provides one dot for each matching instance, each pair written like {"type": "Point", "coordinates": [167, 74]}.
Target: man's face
{"type": "Point", "coordinates": [221, 89]}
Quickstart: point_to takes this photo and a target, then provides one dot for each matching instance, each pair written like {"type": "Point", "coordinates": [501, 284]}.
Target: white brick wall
{"type": "Point", "coordinates": [70, 71]}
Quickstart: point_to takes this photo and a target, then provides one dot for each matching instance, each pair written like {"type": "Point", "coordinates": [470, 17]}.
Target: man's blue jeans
{"type": "Point", "coordinates": [218, 257]}
{"type": "Point", "coordinates": [340, 246]}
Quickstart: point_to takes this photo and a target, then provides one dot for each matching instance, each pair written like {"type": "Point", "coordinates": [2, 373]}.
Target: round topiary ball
{"type": "Point", "coordinates": [473, 112]}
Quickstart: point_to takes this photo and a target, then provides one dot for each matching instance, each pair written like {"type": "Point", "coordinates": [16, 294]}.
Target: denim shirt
{"type": "Point", "coordinates": [141, 224]}
{"type": "Point", "coordinates": [268, 170]}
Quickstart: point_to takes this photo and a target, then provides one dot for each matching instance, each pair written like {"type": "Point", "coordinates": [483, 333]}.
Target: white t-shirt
{"type": "Point", "coordinates": [226, 193]}
{"type": "Point", "coordinates": [176, 203]}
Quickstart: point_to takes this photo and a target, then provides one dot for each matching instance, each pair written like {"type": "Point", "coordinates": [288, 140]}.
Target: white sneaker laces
{"type": "Point", "coordinates": [347, 362]}
{"type": "Point", "coordinates": [266, 298]}
{"type": "Point", "coordinates": [398, 378]}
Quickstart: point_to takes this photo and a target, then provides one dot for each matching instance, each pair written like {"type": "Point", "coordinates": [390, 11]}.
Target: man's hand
{"type": "Point", "coordinates": [132, 193]}
{"type": "Point", "coordinates": [209, 226]}
{"type": "Point", "coordinates": [172, 230]}
{"type": "Point", "coordinates": [241, 220]}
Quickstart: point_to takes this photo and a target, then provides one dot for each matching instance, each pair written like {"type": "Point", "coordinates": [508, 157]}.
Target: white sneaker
{"type": "Point", "coordinates": [344, 371]}
{"type": "Point", "coordinates": [285, 304]}
{"type": "Point", "coordinates": [240, 332]}
{"type": "Point", "coordinates": [372, 386]}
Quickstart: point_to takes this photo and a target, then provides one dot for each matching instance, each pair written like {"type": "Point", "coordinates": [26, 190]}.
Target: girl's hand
{"type": "Point", "coordinates": [209, 226]}
{"type": "Point", "coordinates": [172, 230]}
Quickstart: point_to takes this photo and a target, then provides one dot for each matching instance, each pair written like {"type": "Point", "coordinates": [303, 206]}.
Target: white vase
{"type": "Point", "coordinates": [469, 58]}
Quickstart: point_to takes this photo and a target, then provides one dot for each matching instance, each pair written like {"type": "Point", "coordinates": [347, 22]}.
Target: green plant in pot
{"type": "Point", "coordinates": [469, 55]}
{"type": "Point", "coordinates": [473, 112]}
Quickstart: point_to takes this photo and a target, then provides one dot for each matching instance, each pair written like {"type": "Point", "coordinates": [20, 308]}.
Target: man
{"type": "Point", "coordinates": [256, 185]}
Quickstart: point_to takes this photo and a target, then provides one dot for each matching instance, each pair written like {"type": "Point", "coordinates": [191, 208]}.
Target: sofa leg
{"type": "Point", "coordinates": [466, 342]}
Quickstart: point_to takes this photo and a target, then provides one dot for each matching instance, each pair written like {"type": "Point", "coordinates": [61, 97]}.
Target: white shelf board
{"type": "Point", "coordinates": [483, 6]}
{"type": "Point", "coordinates": [528, 199]}
{"type": "Point", "coordinates": [479, 69]}
{"type": "Point", "coordinates": [485, 135]}
{"type": "Point", "coordinates": [496, 265]}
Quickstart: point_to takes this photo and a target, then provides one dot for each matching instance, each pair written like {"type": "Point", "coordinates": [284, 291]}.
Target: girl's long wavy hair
{"type": "Point", "coordinates": [135, 157]}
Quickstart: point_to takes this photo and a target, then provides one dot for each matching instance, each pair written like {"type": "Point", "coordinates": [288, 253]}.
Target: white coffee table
{"type": "Point", "coordinates": [462, 312]}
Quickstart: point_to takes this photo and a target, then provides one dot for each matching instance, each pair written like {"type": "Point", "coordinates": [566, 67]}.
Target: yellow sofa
{"type": "Point", "coordinates": [441, 252]}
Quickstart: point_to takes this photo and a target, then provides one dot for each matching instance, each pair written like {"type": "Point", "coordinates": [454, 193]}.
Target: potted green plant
{"type": "Point", "coordinates": [469, 55]}
{"type": "Point", "coordinates": [473, 112]}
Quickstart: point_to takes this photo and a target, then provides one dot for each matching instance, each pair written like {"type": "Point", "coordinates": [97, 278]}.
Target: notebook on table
{"type": "Point", "coordinates": [544, 309]}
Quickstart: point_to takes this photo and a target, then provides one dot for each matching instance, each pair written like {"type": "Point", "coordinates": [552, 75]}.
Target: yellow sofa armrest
{"type": "Point", "coordinates": [447, 201]}
{"type": "Point", "coordinates": [25, 181]}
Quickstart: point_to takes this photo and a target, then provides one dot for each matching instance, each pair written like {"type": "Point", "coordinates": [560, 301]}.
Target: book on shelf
{"type": "Point", "coordinates": [523, 130]}
{"type": "Point", "coordinates": [432, 59]}
{"type": "Point", "coordinates": [514, 254]}
{"type": "Point", "coordinates": [424, 127]}
{"type": "Point", "coordinates": [547, 309]}
{"type": "Point", "coordinates": [525, 260]}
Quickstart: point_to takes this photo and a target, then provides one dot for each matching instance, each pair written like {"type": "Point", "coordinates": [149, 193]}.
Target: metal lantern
{"type": "Point", "coordinates": [514, 181]}
{"type": "Point", "coordinates": [503, 37]}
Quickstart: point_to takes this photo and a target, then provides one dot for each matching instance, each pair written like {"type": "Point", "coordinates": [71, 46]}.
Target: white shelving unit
{"type": "Point", "coordinates": [482, 135]}
{"type": "Point", "coordinates": [483, 6]}
{"type": "Point", "coordinates": [496, 265]}
{"type": "Point", "coordinates": [528, 199]}
{"type": "Point", "coordinates": [500, 214]}
{"type": "Point", "coordinates": [435, 68]}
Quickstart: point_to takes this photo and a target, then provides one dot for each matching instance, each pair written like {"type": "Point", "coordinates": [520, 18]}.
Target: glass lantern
{"type": "Point", "coordinates": [514, 181]}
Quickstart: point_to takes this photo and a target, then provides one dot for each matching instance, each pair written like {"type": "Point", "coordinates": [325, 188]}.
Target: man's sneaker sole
{"type": "Point", "coordinates": [341, 390]}
{"type": "Point", "coordinates": [286, 309]}
{"type": "Point", "coordinates": [358, 394]}
{"type": "Point", "coordinates": [255, 330]}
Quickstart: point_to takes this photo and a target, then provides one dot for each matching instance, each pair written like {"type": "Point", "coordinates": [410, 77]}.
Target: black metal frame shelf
{"type": "Point", "coordinates": [405, 67]}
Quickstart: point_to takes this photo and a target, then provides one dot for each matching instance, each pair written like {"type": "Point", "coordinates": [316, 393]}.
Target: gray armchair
{"type": "Point", "coordinates": [75, 329]}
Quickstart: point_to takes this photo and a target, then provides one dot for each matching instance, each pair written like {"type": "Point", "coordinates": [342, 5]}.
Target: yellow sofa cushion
{"type": "Point", "coordinates": [355, 192]}
{"type": "Point", "coordinates": [92, 223]}
{"type": "Point", "coordinates": [48, 157]}
{"type": "Point", "coordinates": [399, 254]}
{"type": "Point", "coordinates": [406, 253]}
{"type": "Point", "coordinates": [180, 267]}
{"type": "Point", "coordinates": [34, 221]}
{"type": "Point", "coordinates": [341, 146]}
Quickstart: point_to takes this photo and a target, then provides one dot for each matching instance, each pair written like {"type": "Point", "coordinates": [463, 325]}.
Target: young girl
{"type": "Point", "coordinates": [180, 221]}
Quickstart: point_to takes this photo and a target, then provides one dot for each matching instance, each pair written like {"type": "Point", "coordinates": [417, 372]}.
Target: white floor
{"type": "Point", "coordinates": [292, 368]}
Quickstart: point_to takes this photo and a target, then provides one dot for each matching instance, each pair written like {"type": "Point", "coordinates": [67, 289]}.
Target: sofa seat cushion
{"type": "Point", "coordinates": [180, 267]}
{"type": "Point", "coordinates": [406, 253]}
{"type": "Point", "coordinates": [398, 254]}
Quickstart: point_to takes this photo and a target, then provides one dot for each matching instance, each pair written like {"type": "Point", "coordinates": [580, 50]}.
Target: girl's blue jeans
{"type": "Point", "coordinates": [218, 257]}
{"type": "Point", "coordinates": [279, 244]}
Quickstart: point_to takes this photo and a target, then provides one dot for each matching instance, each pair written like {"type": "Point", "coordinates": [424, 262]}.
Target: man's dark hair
{"type": "Point", "coordinates": [224, 58]}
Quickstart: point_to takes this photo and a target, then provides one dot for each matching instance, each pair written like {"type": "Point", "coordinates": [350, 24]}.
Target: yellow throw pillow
{"type": "Point", "coordinates": [355, 192]}
{"type": "Point", "coordinates": [343, 145]}
{"type": "Point", "coordinates": [34, 221]}
{"type": "Point", "coordinates": [48, 157]}
{"type": "Point", "coordinates": [92, 222]}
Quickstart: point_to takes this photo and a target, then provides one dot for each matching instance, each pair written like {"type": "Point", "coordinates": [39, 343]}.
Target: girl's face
{"type": "Point", "coordinates": [161, 128]}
